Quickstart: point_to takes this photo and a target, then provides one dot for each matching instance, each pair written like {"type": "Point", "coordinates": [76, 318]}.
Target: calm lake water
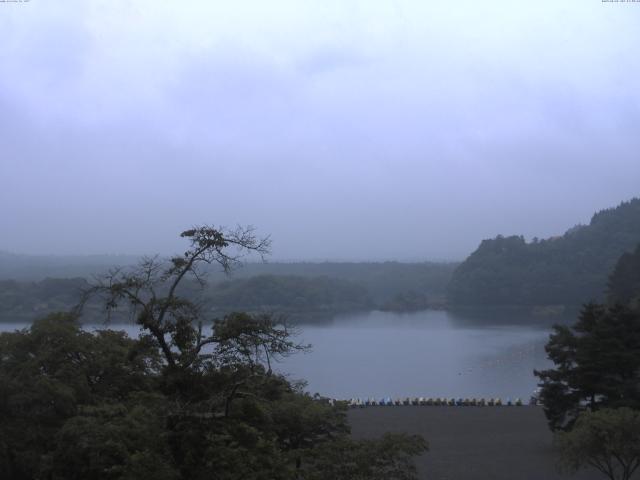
{"type": "Point", "coordinates": [431, 354]}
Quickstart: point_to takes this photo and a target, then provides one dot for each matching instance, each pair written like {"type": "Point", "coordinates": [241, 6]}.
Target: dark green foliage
{"type": "Point", "coordinates": [391, 457]}
{"type": "Point", "coordinates": [412, 301]}
{"type": "Point", "coordinates": [187, 400]}
{"type": "Point", "coordinates": [608, 440]}
{"type": "Point", "coordinates": [122, 440]}
{"type": "Point", "coordinates": [624, 282]}
{"type": "Point", "coordinates": [47, 374]}
{"type": "Point", "coordinates": [381, 280]}
{"type": "Point", "coordinates": [596, 364]}
{"type": "Point", "coordinates": [288, 294]}
{"type": "Point", "coordinates": [24, 301]}
{"type": "Point", "coordinates": [301, 291]}
{"type": "Point", "coordinates": [76, 405]}
{"type": "Point", "coordinates": [567, 270]}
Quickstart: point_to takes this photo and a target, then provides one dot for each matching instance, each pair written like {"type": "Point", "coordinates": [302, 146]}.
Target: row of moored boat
{"type": "Point", "coordinates": [438, 402]}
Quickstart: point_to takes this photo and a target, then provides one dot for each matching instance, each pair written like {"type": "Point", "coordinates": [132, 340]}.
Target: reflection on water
{"type": "Point", "coordinates": [433, 353]}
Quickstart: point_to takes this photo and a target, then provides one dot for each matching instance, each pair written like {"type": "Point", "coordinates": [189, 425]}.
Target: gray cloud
{"type": "Point", "coordinates": [411, 131]}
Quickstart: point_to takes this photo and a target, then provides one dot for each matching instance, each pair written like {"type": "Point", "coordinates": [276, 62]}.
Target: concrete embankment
{"type": "Point", "coordinates": [472, 443]}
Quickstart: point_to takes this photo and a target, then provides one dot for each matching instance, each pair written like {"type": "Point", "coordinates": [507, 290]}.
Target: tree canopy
{"type": "Point", "coordinates": [298, 296]}
{"type": "Point", "coordinates": [597, 360]}
{"type": "Point", "coordinates": [607, 440]}
{"type": "Point", "coordinates": [596, 364]}
{"type": "Point", "coordinates": [191, 398]}
{"type": "Point", "coordinates": [624, 282]}
{"type": "Point", "coordinates": [568, 270]}
{"type": "Point", "coordinates": [302, 291]}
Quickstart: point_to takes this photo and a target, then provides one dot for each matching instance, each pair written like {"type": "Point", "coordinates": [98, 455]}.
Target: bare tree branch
{"type": "Point", "coordinates": [150, 291]}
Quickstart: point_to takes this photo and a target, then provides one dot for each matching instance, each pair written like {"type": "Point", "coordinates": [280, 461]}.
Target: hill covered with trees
{"type": "Point", "coordinates": [302, 291]}
{"type": "Point", "coordinates": [25, 301]}
{"type": "Point", "coordinates": [568, 270]}
{"type": "Point", "coordinates": [383, 281]}
{"type": "Point", "coordinates": [624, 282]}
{"type": "Point", "coordinates": [289, 294]}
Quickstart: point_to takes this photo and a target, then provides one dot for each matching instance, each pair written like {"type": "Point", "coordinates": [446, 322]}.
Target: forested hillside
{"type": "Point", "coordinates": [624, 282]}
{"type": "Point", "coordinates": [20, 301]}
{"type": "Point", "coordinates": [382, 280]}
{"type": "Point", "coordinates": [303, 290]}
{"type": "Point", "coordinates": [569, 270]}
{"type": "Point", "coordinates": [288, 294]}
{"type": "Point", "coordinates": [295, 296]}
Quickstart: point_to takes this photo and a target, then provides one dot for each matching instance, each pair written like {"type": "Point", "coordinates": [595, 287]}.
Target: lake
{"type": "Point", "coordinates": [430, 354]}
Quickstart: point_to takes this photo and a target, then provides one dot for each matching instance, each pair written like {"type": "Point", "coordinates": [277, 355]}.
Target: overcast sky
{"type": "Point", "coordinates": [405, 130]}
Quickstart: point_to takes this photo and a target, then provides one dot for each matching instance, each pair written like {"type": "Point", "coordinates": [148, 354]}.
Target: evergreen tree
{"type": "Point", "coordinates": [597, 364]}
{"type": "Point", "coordinates": [624, 282]}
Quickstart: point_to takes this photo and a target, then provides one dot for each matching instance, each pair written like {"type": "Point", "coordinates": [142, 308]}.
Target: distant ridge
{"type": "Point", "coordinates": [567, 270]}
{"type": "Point", "coordinates": [23, 267]}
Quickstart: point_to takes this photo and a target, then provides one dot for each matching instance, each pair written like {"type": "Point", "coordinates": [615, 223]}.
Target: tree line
{"type": "Point", "coordinates": [591, 397]}
{"type": "Point", "coordinates": [567, 270]}
{"type": "Point", "coordinates": [308, 292]}
{"type": "Point", "coordinates": [191, 398]}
